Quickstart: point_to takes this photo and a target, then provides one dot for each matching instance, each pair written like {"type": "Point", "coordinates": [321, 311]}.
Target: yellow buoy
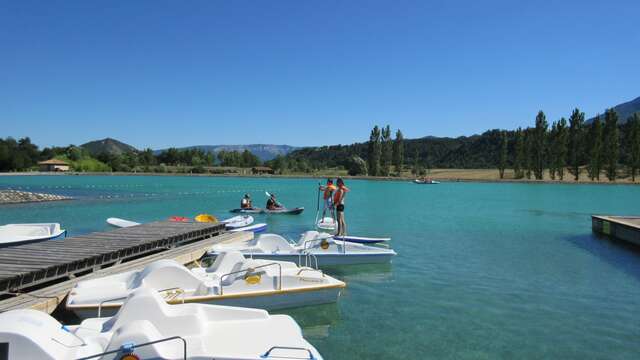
{"type": "Point", "coordinates": [324, 244]}
{"type": "Point", "coordinates": [206, 218]}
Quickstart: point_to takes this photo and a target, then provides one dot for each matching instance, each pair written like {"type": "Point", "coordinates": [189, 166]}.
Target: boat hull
{"type": "Point", "coordinates": [274, 301]}
{"type": "Point", "coordinates": [361, 240]}
{"type": "Point", "coordinates": [329, 259]}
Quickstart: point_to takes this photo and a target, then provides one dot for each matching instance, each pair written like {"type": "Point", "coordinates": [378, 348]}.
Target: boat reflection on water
{"type": "Point", "coordinates": [315, 321]}
{"type": "Point", "coordinates": [369, 273]}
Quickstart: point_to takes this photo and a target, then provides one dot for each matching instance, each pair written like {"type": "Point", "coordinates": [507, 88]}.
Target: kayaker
{"type": "Point", "coordinates": [328, 198]}
{"type": "Point", "coordinates": [272, 203]}
{"type": "Point", "coordinates": [246, 203]}
{"type": "Point", "coordinates": [338, 200]}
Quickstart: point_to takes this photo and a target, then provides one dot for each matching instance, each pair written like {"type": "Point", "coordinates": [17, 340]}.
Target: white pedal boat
{"type": "Point", "coordinates": [148, 328]}
{"type": "Point", "coordinates": [327, 223]}
{"type": "Point", "coordinates": [230, 280]}
{"type": "Point", "coordinates": [13, 234]}
{"type": "Point", "coordinates": [313, 249]}
{"type": "Point", "coordinates": [238, 221]}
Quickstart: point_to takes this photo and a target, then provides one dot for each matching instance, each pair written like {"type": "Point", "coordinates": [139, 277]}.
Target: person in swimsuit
{"type": "Point", "coordinates": [246, 203]}
{"type": "Point", "coordinates": [328, 198]}
{"type": "Point", "coordinates": [338, 200]}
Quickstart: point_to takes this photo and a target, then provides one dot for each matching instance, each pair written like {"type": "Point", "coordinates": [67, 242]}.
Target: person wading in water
{"type": "Point", "coordinates": [338, 201]}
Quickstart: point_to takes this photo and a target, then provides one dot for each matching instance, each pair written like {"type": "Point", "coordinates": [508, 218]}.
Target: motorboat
{"type": "Point", "coordinates": [312, 249]}
{"type": "Point", "coordinates": [146, 327]}
{"type": "Point", "coordinates": [230, 280]}
{"type": "Point", "coordinates": [13, 234]}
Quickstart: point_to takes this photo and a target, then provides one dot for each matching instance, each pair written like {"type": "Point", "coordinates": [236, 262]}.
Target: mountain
{"type": "Point", "coordinates": [263, 151]}
{"type": "Point", "coordinates": [108, 146]}
{"type": "Point", "coordinates": [624, 110]}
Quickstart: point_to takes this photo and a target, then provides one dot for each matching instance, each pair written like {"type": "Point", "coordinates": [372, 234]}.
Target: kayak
{"type": "Point", "coordinates": [326, 223]}
{"type": "Point", "coordinates": [361, 240]}
{"type": "Point", "coordinates": [121, 223]}
{"type": "Point", "coordinates": [238, 221]}
{"type": "Point", "coordinates": [285, 211]}
{"type": "Point", "coordinates": [12, 234]}
{"type": "Point", "coordinates": [253, 228]}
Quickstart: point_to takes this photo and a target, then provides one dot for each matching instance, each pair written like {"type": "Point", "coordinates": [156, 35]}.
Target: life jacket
{"type": "Point", "coordinates": [328, 191]}
{"type": "Point", "coordinates": [338, 196]}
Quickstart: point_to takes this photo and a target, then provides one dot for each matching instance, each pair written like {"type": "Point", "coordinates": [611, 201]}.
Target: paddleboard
{"type": "Point", "coordinates": [238, 221]}
{"type": "Point", "coordinates": [327, 223]}
{"type": "Point", "coordinates": [121, 223]}
{"type": "Point", "coordinates": [361, 239]}
{"type": "Point", "coordinates": [253, 228]}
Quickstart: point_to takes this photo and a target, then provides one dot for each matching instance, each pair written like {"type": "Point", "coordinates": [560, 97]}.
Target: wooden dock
{"type": "Point", "coordinates": [42, 273]}
{"type": "Point", "coordinates": [626, 228]}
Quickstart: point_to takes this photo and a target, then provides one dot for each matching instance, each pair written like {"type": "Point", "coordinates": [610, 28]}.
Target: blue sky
{"type": "Point", "coordinates": [169, 73]}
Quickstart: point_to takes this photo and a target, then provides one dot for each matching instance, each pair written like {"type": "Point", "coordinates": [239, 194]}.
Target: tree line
{"type": "Point", "coordinates": [574, 146]}
{"type": "Point", "coordinates": [23, 155]}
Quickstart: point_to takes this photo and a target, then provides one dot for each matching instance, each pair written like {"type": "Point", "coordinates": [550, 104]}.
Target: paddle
{"type": "Point", "coordinates": [277, 202]}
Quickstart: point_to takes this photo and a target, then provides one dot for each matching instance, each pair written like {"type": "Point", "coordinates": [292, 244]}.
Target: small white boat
{"type": "Point", "coordinates": [121, 223]}
{"type": "Point", "coordinates": [327, 223]}
{"type": "Point", "coordinates": [146, 327]}
{"type": "Point", "coordinates": [13, 234]}
{"type": "Point", "coordinates": [313, 249]}
{"type": "Point", "coordinates": [231, 280]}
{"type": "Point", "coordinates": [238, 221]}
{"type": "Point", "coordinates": [256, 228]}
{"type": "Point", "coordinates": [426, 182]}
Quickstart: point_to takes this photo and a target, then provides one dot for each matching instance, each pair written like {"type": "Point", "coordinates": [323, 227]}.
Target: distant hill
{"type": "Point", "coordinates": [108, 145]}
{"type": "Point", "coordinates": [624, 110]}
{"type": "Point", "coordinates": [263, 151]}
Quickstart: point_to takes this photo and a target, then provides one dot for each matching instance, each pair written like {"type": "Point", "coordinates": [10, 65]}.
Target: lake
{"type": "Point", "coordinates": [484, 270]}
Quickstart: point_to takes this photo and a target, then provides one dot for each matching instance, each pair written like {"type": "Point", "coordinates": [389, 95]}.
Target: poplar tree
{"type": "Point", "coordinates": [374, 152]}
{"type": "Point", "coordinates": [519, 160]}
{"type": "Point", "coordinates": [398, 152]}
{"type": "Point", "coordinates": [562, 143]}
{"type": "Point", "coordinates": [539, 145]}
{"type": "Point", "coordinates": [553, 150]}
{"type": "Point", "coordinates": [633, 144]}
{"type": "Point", "coordinates": [503, 154]}
{"type": "Point", "coordinates": [611, 147]}
{"type": "Point", "coordinates": [528, 152]}
{"type": "Point", "coordinates": [595, 149]}
{"type": "Point", "coordinates": [387, 152]}
{"type": "Point", "coordinates": [576, 135]}
{"type": "Point", "coordinates": [416, 163]}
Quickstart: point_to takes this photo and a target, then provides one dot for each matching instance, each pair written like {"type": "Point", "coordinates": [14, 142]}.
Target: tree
{"type": "Point", "coordinates": [528, 151]}
{"type": "Point", "coordinates": [633, 145]}
{"type": "Point", "coordinates": [519, 158]}
{"type": "Point", "coordinates": [416, 163]}
{"type": "Point", "coordinates": [503, 154]}
{"type": "Point", "coordinates": [539, 145]}
{"type": "Point", "coordinates": [398, 152]}
{"type": "Point", "coordinates": [553, 162]}
{"type": "Point", "coordinates": [387, 152]}
{"type": "Point", "coordinates": [595, 149]}
{"type": "Point", "coordinates": [576, 134]}
{"type": "Point", "coordinates": [611, 148]}
{"type": "Point", "coordinates": [561, 143]}
{"type": "Point", "coordinates": [356, 166]}
{"type": "Point", "coordinates": [374, 152]}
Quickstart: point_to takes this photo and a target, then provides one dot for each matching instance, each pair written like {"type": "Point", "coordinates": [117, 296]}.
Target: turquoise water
{"type": "Point", "coordinates": [484, 271]}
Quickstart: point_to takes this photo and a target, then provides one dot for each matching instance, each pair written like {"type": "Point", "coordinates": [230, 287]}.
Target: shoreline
{"type": "Point", "coordinates": [434, 176]}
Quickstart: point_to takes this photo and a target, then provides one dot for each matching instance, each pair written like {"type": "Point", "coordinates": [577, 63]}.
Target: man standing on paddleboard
{"type": "Point", "coordinates": [328, 199]}
{"type": "Point", "coordinates": [338, 200]}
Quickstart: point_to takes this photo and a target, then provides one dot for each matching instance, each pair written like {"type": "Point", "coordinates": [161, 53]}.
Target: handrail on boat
{"type": "Point", "coordinates": [252, 269]}
{"type": "Point", "coordinates": [128, 348]}
{"type": "Point", "coordinates": [268, 353]}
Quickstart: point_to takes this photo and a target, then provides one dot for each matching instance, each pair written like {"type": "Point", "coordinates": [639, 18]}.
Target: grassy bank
{"type": "Point", "coordinates": [446, 175]}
